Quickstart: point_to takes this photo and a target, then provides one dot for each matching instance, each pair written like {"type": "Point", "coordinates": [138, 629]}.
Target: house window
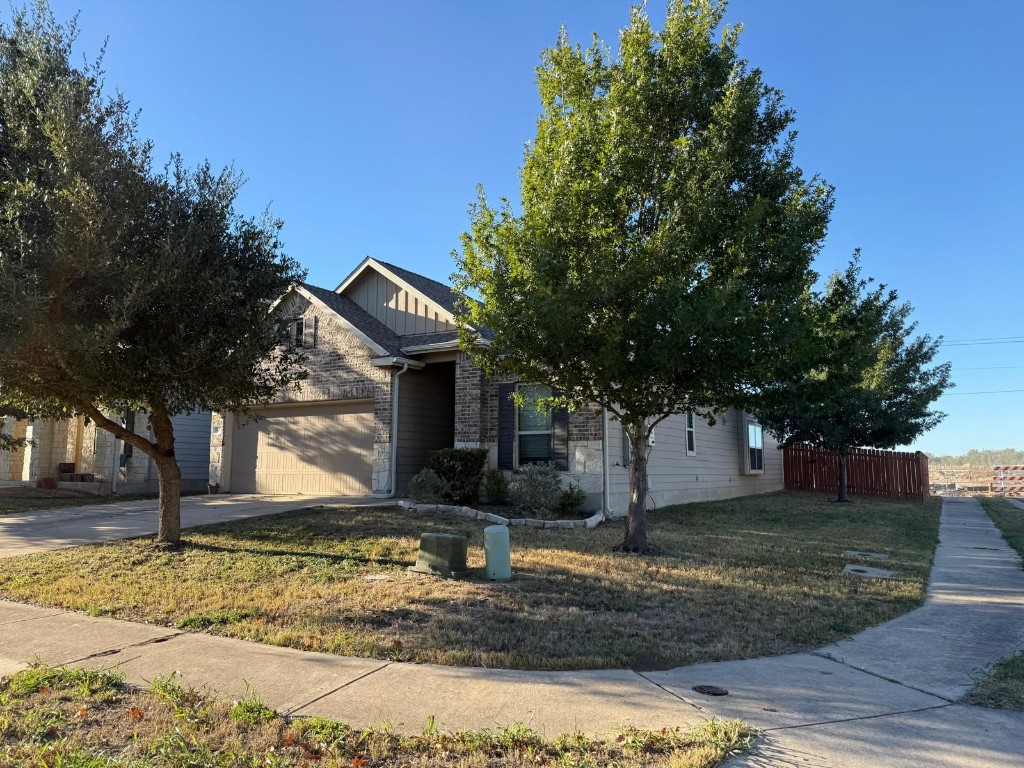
{"type": "Point", "coordinates": [691, 436]}
{"type": "Point", "coordinates": [755, 447]}
{"type": "Point", "coordinates": [298, 332]}
{"type": "Point", "coordinates": [533, 426]}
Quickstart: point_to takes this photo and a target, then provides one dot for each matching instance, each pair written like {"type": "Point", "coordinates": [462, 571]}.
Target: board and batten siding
{"type": "Point", "coordinates": [714, 472]}
{"type": "Point", "coordinates": [192, 447]}
{"type": "Point", "coordinates": [404, 312]}
{"type": "Point", "coordinates": [426, 418]}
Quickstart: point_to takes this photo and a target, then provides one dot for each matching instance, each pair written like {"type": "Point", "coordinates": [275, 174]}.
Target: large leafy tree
{"type": "Point", "coordinates": [122, 288]}
{"type": "Point", "coordinates": [871, 383]}
{"type": "Point", "coordinates": [664, 244]}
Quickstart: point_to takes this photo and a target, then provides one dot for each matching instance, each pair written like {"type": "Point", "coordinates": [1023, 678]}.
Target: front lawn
{"type": "Point", "coordinates": [737, 579]}
{"type": "Point", "coordinates": [14, 499]}
{"type": "Point", "coordinates": [75, 718]}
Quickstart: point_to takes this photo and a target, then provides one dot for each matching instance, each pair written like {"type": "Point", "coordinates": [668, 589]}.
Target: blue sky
{"type": "Point", "coordinates": [367, 126]}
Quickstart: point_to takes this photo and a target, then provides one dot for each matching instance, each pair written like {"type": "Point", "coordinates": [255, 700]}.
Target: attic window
{"type": "Point", "coordinates": [298, 333]}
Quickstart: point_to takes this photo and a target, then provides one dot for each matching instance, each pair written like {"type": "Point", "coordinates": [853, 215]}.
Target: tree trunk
{"type": "Point", "coordinates": [843, 495]}
{"type": "Point", "coordinates": [636, 521]}
{"type": "Point", "coordinates": [161, 451]}
{"type": "Point", "coordinates": [170, 501]}
{"type": "Point", "coordinates": [169, 531]}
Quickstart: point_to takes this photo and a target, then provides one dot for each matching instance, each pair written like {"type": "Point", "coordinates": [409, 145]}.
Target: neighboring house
{"type": "Point", "coordinates": [94, 451]}
{"type": "Point", "coordinates": [387, 384]}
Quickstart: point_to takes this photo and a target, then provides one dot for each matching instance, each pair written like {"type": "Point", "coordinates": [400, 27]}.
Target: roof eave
{"type": "Point", "coordinates": [387, 361]}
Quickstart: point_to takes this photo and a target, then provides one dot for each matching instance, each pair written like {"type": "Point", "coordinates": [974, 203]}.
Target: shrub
{"type": "Point", "coordinates": [496, 486]}
{"type": "Point", "coordinates": [536, 487]}
{"type": "Point", "coordinates": [571, 501]}
{"type": "Point", "coordinates": [462, 469]}
{"type": "Point", "coordinates": [427, 486]}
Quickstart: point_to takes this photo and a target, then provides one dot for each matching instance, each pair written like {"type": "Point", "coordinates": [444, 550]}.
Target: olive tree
{"type": "Point", "coordinates": [121, 287]}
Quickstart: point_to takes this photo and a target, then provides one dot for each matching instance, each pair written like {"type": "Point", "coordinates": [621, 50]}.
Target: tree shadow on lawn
{"type": "Point", "coordinates": [334, 558]}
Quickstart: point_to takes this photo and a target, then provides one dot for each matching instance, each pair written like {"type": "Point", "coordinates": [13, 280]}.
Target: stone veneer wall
{"type": "Point", "coordinates": [11, 462]}
{"type": "Point", "coordinates": [339, 369]}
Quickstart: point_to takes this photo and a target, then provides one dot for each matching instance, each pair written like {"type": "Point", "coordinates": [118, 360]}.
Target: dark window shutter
{"type": "Point", "coordinates": [560, 439]}
{"type": "Point", "coordinates": [506, 426]}
{"type": "Point", "coordinates": [309, 332]}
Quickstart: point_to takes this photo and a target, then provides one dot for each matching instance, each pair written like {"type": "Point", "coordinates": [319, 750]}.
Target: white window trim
{"type": "Point", "coordinates": [690, 431]}
{"type": "Point", "coordinates": [748, 469]}
{"type": "Point", "coordinates": [549, 431]}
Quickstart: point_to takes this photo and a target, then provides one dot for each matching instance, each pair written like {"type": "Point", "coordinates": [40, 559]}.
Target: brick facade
{"type": "Point", "coordinates": [476, 425]}
{"type": "Point", "coordinates": [339, 368]}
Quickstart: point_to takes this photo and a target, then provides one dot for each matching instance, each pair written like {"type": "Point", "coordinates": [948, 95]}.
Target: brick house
{"type": "Point", "coordinates": [388, 384]}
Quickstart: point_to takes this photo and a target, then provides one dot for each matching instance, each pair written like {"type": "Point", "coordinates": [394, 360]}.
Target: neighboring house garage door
{"type": "Point", "coordinates": [325, 449]}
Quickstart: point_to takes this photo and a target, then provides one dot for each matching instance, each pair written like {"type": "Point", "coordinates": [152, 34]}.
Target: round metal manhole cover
{"type": "Point", "coordinates": [710, 690]}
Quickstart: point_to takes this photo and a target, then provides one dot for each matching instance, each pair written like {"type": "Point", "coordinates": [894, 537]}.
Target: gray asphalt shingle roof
{"type": "Point", "coordinates": [359, 317]}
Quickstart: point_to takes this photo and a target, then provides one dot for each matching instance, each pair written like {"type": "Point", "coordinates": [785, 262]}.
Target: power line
{"type": "Point", "coordinates": [985, 392]}
{"type": "Point", "coordinates": [980, 343]}
{"type": "Point", "coordinates": [985, 338]}
{"type": "Point", "coordinates": [986, 367]}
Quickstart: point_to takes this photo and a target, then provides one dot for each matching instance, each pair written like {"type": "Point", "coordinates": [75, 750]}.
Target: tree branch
{"type": "Point", "coordinates": [138, 441]}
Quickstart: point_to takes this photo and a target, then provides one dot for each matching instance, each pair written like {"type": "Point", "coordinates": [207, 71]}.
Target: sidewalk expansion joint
{"type": "Point", "coordinates": [344, 685]}
{"type": "Point", "coordinates": [829, 657]}
{"type": "Point", "coordinates": [856, 719]}
{"type": "Point", "coordinates": [673, 694]}
{"type": "Point", "coordinates": [31, 618]}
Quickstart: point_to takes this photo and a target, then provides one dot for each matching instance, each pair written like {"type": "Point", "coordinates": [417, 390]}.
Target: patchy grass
{"type": "Point", "coordinates": [15, 499]}
{"type": "Point", "coordinates": [107, 724]}
{"type": "Point", "coordinates": [1009, 519]}
{"type": "Point", "coordinates": [736, 579]}
{"type": "Point", "coordinates": [1004, 687]}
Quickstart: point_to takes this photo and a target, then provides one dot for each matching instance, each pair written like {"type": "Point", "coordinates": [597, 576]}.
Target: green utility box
{"type": "Point", "coordinates": [442, 554]}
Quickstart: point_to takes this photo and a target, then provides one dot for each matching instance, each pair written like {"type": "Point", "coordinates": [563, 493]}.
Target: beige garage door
{"type": "Point", "coordinates": [321, 449]}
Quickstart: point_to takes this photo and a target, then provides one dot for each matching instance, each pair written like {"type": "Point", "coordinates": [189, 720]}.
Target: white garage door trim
{"type": "Point", "coordinates": [309, 448]}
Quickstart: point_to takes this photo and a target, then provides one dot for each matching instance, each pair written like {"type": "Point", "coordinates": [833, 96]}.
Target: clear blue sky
{"type": "Point", "coordinates": [366, 126]}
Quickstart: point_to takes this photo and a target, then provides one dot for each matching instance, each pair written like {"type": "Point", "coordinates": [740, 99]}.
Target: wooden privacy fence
{"type": "Point", "coordinates": [888, 474]}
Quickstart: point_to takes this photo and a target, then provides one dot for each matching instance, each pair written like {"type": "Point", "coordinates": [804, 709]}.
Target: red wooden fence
{"type": "Point", "coordinates": [888, 474]}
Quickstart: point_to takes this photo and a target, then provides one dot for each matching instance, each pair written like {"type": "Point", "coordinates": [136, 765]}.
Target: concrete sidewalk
{"type": "Point", "coordinates": [883, 698]}
{"type": "Point", "coordinates": [24, 532]}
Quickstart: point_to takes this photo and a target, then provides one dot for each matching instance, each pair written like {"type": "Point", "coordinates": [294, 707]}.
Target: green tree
{"type": "Point", "coordinates": [870, 384]}
{"type": "Point", "coordinates": [122, 288]}
{"type": "Point", "coordinates": [665, 240]}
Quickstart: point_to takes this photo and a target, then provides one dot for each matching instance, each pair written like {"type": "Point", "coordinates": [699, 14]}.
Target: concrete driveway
{"type": "Point", "coordinates": [41, 530]}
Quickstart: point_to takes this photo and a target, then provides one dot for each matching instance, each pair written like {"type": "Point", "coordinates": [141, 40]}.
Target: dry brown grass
{"type": "Point", "coordinates": [76, 719]}
{"type": "Point", "coordinates": [1004, 687]}
{"type": "Point", "coordinates": [14, 499]}
{"type": "Point", "coordinates": [737, 579]}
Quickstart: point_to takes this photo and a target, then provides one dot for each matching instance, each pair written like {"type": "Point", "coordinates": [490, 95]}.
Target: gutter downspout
{"type": "Point", "coordinates": [394, 437]}
{"type": "Point", "coordinates": [606, 486]}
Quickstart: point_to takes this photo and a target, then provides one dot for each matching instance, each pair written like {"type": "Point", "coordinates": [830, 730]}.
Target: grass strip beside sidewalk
{"type": "Point", "coordinates": [76, 718]}
{"type": "Point", "coordinates": [1004, 687]}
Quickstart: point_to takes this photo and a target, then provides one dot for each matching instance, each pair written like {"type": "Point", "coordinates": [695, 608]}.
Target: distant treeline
{"type": "Point", "coordinates": [980, 458]}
